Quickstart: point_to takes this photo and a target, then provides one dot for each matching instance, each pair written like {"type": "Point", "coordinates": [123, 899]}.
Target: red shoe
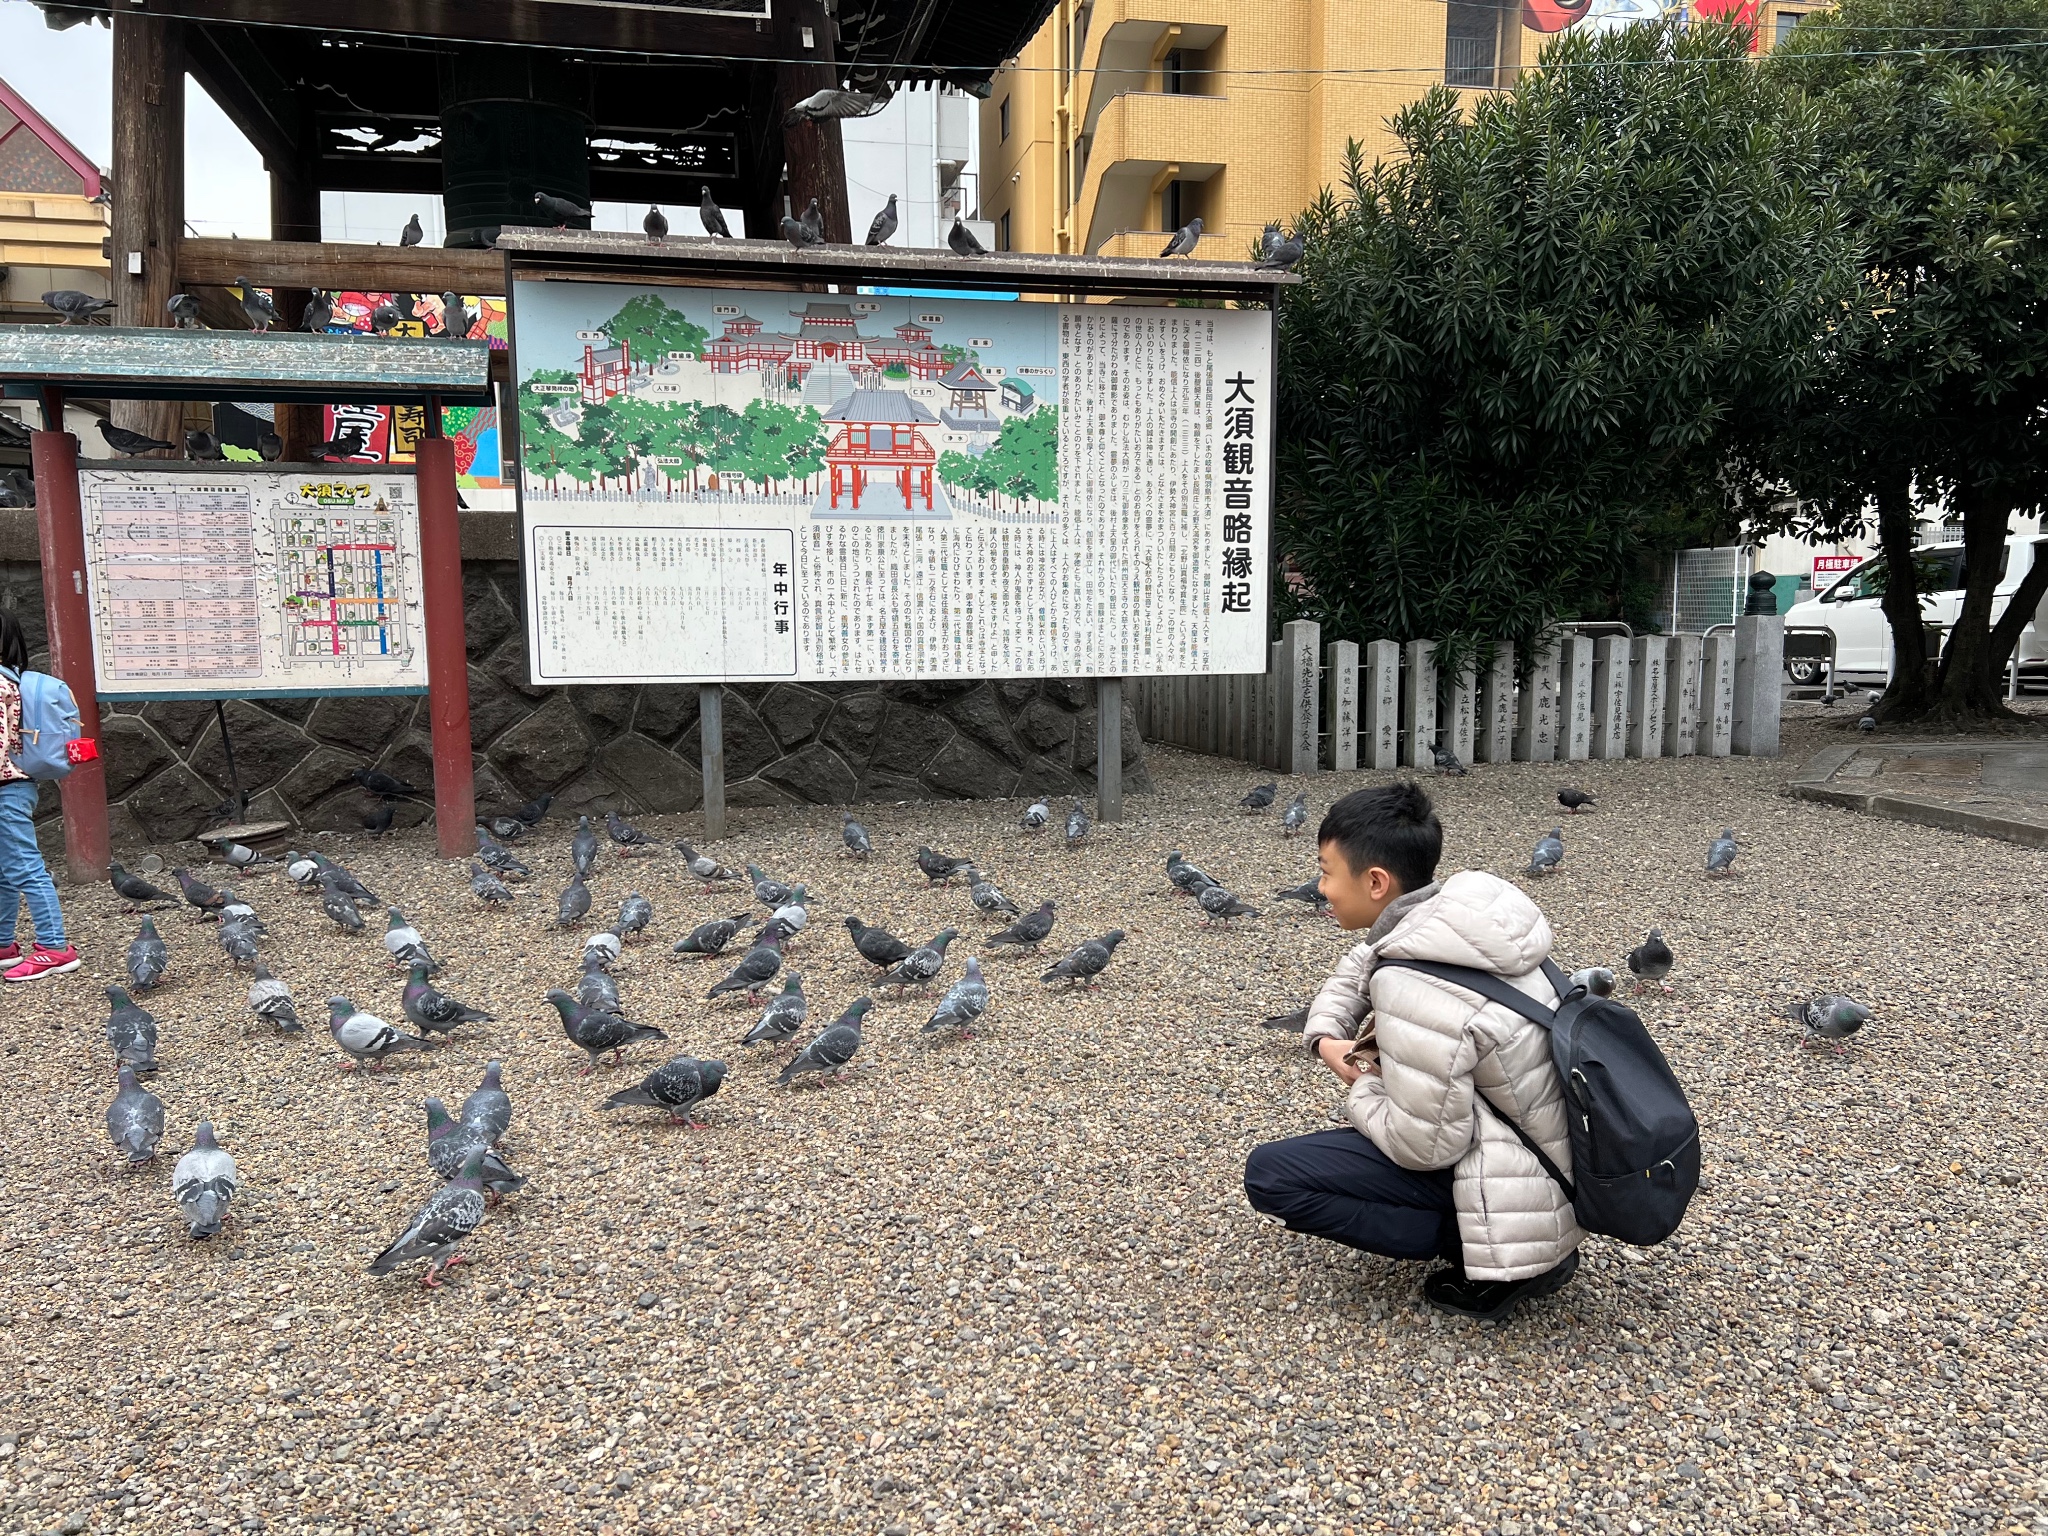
{"type": "Point", "coordinates": [9, 951]}
{"type": "Point", "coordinates": [43, 962]}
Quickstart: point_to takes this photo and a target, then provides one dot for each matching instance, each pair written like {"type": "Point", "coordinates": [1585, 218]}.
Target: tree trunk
{"type": "Point", "coordinates": [1969, 688]}
{"type": "Point", "coordinates": [2021, 611]}
{"type": "Point", "coordinates": [1908, 694]}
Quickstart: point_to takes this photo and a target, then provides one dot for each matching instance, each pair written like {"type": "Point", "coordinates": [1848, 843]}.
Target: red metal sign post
{"type": "Point", "coordinates": [447, 651]}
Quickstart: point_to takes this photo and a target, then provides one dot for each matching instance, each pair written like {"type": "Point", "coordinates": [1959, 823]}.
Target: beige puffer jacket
{"type": "Point", "coordinates": [1439, 1043]}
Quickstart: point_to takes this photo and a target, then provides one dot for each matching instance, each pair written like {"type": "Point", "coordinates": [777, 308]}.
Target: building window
{"type": "Point", "coordinates": [1003, 233]}
{"type": "Point", "coordinates": [1471, 43]}
{"type": "Point", "coordinates": [1786, 21]}
{"type": "Point", "coordinates": [1185, 72]}
{"type": "Point", "coordinates": [1003, 121]}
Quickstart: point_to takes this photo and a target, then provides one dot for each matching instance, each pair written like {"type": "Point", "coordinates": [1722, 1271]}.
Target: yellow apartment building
{"type": "Point", "coordinates": [51, 230]}
{"type": "Point", "coordinates": [1122, 119]}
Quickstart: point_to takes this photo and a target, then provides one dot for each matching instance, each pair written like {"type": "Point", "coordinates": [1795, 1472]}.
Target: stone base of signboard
{"type": "Point", "coordinates": [629, 748]}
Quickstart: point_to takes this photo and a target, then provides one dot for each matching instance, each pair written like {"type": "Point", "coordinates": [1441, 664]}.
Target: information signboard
{"type": "Point", "coordinates": [212, 581]}
{"type": "Point", "coordinates": [726, 485]}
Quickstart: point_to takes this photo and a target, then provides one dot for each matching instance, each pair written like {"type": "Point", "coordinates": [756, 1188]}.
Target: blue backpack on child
{"type": "Point", "coordinates": [49, 725]}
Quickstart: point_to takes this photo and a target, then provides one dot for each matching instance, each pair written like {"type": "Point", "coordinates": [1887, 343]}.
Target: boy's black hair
{"type": "Point", "coordinates": [13, 643]}
{"type": "Point", "coordinates": [1391, 825]}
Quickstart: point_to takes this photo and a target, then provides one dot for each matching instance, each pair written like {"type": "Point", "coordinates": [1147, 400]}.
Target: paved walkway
{"type": "Point", "coordinates": [1994, 788]}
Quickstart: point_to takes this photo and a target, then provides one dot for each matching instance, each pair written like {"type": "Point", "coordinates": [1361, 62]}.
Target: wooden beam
{"type": "Point", "coordinates": [294, 216]}
{"type": "Point", "coordinates": [231, 70]}
{"type": "Point", "coordinates": [149, 188]}
{"type": "Point", "coordinates": [335, 266]}
{"type": "Point", "coordinates": [813, 151]}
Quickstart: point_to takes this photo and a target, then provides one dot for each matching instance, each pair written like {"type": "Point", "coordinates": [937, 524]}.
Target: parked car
{"type": "Point", "coordinates": [1852, 609]}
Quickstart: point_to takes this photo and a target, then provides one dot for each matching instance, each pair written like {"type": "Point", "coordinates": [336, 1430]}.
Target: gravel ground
{"type": "Point", "coordinates": [1011, 1283]}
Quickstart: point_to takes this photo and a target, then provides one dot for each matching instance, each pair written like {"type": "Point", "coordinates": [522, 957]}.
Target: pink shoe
{"type": "Point", "coordinates": [43, 962]}
{"type": "Point", "coordinates": [9, 952]}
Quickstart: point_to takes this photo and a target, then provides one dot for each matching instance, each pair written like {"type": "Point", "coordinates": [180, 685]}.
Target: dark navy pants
{"type": "Point", "coordinates": [1337, 1184]}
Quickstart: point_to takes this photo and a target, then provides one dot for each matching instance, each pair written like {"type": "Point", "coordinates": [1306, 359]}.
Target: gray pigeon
{"type": "Point", "coordinates": [1088, 961]}
{"type": "Point", "coordinates": [131, 1032]}
{"type": "Point", "coordinates": [1309, 891]}
{"type": "Point", "coordinates": [654, 224]}
{"type": "Point", "coordinates": [1185, 239]}
{"type": "Point", "coordinates": [1035, 816]}
{"type": "Point", "coordinates": [345, 882]}
{"type": "Point", "coordinates": [885, 223]}
{"type": "Point", "coordinates": [965, 1002]}
{"type": "Point", "coordinates": [133, 888]}
{"type": "Point", "coordinates": [1221, 905]}
{"type": "Point", "coordinates": [1575, 800]}
{"type": "Point", "coordinates": [793, 916]}
{"type": "Point", "coordinates": [1296, 1021]}
{"type": "Point", "coordinates": [1282, 254]}
{"type": "Point", "coordinates": [833, 1048]}
{"type": "Point", "coordinates": [338, 905]}
{"type": "Point", "coordinates": [498, 858]}
{"type": "Point", "coordinates": [603, 947]}
{"type": "Point", "coordinates": [573, 903]}
{"type": "Point", "coordinates": [202, 446]}
{"type": "Point", "coordinates": [148, 958]}
{"type": "Point", "coordinates": [1446, 760]}
{"type": "Point", "coordinates": [624, 833]}
{"type": "Point", "coordinates": [706, 868]}
{"type": "Point", "coordinates": [768, 890]}
{"type": "Point", "coordinates": [855, 837]}
{"type": "Point", "coordinates": [1295, 817]}
{"type": "Point", "coordinates": [402, 942]}
{"type": "Point", "coordinates": [412, 234]}
{"type": "Point", "coordinates": [455, 317]}
{"type": "Point", "coordinates": [135, 1120]}
{"type": "Point", "coordinates": [1721, 853]}
{"type": "Point", "coordinates": [204, 1183]}
{"type": "Point", "coordinates": [129, 444]}
{"type": "Point", "coordinates": [799, 234]}
{"type": "Point", "coordinates": [1829, 1017]}
{"type": "Point", "coordinates": [940, 868]}
{"type": "Point", "coordinates": [814, 220]}
{"type": "Point", "coordinates": [302, 871]}
{"type": "Point", "coordinates": [237, 941]}
{"type": "Point", "coordinates": [318, 313]}
{"type": "Point", "coordinates": [507, 829]}
{"type": "Point", "coordinates": [487, 886]}
{"type": "Point", "coordinates": [272, 999]}
{"type": "Point", "coordinates": [596, 1031]}
{"type": "Point", "coordinates": [490, 1106]}
{"type": "Point", "coordinates": [987, 898]}
{"type": "Point", "coordinates": [1260, 797]}
{"type": "Point", "coordinates": [784, 1015]}
{"type": "Point", "coordinates": [1029, 931]}
{"type": "Point", "coordinates": [709, 938]}
{"type": "Point", "coordinates": [595, 987]}
{"type": "Point", "coordinates": [876, 945]}
{"type": "Point", "coordinates": [257, 306]}
{"type": "Point", "coordinates": [435, 1011]}
{"type": "Point", "coordinates": [1598, 981]}
{"type": "Point", "coordinates": [635, 913]}
{"type": "Point", "coordinates": [74, 307]}
{"type": "Point", "coordinates": [364, 1036]}
{"type": "Point", "coordinates": [1549, 852]}
{"type": "Point", "coordinates": [1187, 878]}
{"type": "Point", "coordinates": [451, 1213]}
{"type": "Point", "coordinates": [678, 1086]}
{"type": "Point", "coordinates": [917, 968]}
{"type": "Point", "coordinates": [184, 311]}
{"type": "Point", "coordinates": [1078, 825]}
{"type": "Point", "coordinates": [450, 1142]}
{"type": "Point", "coordinates": [560, 209]}
{"type": "Point", "coordinates": [831, 102]}
{"type": "Point", "coordinates": [960, 239]}
{"type": "Point", "coordinates": [756, 968]}
{"type": "Point", "coordinates": [269, 446]}
{"type": "Point", "coordinates": [1651, 960]}
{"type": "Point", "coordinates": [712, 216]}
{"type": "Point", "coordinates": [583, 846]}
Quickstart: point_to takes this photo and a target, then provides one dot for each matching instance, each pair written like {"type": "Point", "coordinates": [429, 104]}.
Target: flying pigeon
{"type": "Point", "coordinates": [378, 782]}
{"type": "Point", "coordinates": [1260, 798]}
{"type": "Point", "coordinates": [1309, 891]}
{"type": "Point", "coordinates": [1829, 1017]}
{"type": "Point", "coordinates": [833, 1047]}
{"type": "Point", "coordinates": [202, 896]}
{"type": "Point", "coordinates": [1088, 961]}
{"type": "Point", "coordinates": [1446, 760]}
{"type": "Point", "coordinates": [1549, 852]}
{"type": "Point", "coordinates": [184, 310]}
{"type": "Point", "coordinates": [595, 987]}
{"type": "Point", "coordinates": [1575, 800]}
{"type": "Point", "coordinates": [148, 958]}
{"type": "Point", "coordinates": [783, 1016]}
{"type": "Point", "coordinates": [1187, 878]}
{"type": "Point", "coordinates": [1281, 254]}
{"type": "Point", "coordinates": [271, 999]}
{"type": "Point", "coordinates": [1035, 816]}
{"type": "Point", "coordinates": [706, 868]}
{"type": "Point", "coordinates": [1598, 981]}
{"type": "Point", "coordinates": [961, 239]}
{"type": "Point", "coordinates": [257, 306]}
{"type": "Point", "coordinates": [1721, 853]}
{"type": "Point", "coordinates": [433, 1010]}
{"type": "Point", "coordinates": [135, 1120]}
{"type": "Point", "coordinates": [885, 223]}
{"type": "Point", "coordinates": [573, 903]}
{"type": "Point", "coordinates": [534, 812]}
{"type": "Point", "coordinates": [450, 1142]}
{"type": "Point", "coordinates": [1185, 239]}
{"type": "Point", "coordinates": [560, 209]}
{"type": "Point", "coordinates": [131, 1032]}
{"type": "Point", "coordinates": [487, 886]}
{"type": "Point", "coordinates": [134, 888]}
{"type": "Point", "coordinates": [756, 968]}
{"type": "Point", "coordinates": [917, 968]}
{"type": "Point", "coordinates": [635, 913]}
{"type": "Point", "coordinates": [403, 943]}
{"type": "Point", "coordinates": [583, 846]}
{"type": "Point", "coordinates": [987, 898]}
{"type": "Point", "coordinates": [678, 1086]}
{"type": "Point", "coordinates": [597, 1032]}
{"type": "Point", "coordinates": [364, 1036]}
{"type": "Point", "coordinates": [1221, 905]}
{"type": "Point", "coordinates": [965, 1001]}
{"type": "Point", "coordinates": [940, 868]}
{"type": "Point", "coordinates": [336, 904]}
{"type": "Point", "coordinates": [1029, 931]}
{"type": "Point", "coordinates": [800, 234]}
{"type": "Point", "coordinates": [1651, 960]}
{"type": "Point", "coordinates": [855, 837]}
{"type": "Point", "coordinates": [1295, 817]}
{"type": "Point", "coordinates": [712, 216]}
{"type": "Point", "coordinates": [204, 1183]}
{"type": "Point", "coordinates": [623, 832]}
{"type": "Point", "coordinates": [876, 946]}
{"type": "Point", "coordinates": [489, 1106]}
{"type": "Point", "coordinates": [768, 890]}
{"type": "Point", "coordinates": [1077, 825]}
{"type": "Point", "coordinates": [602, 947]}
{"type": "Point", "coordinates": [318, 313]}
{"type": "Point", "coordinates": [498, 858]}
{"type": "Point", "coordinates": [451, 1213]}
{"type": "Point", "coordinates": [832, 103]}
{"type": "Point", "coordinates": [709, 938]}
{"type": "Point", "coordinates": [129, 444]}
{"type": "Point", "coordinates": [202, 446]}
{"type": "Point", "coordinates": [76, 308]}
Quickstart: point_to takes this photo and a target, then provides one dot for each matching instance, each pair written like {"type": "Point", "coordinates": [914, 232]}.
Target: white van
{"type": "Point", "coordinates": [1852, 607]}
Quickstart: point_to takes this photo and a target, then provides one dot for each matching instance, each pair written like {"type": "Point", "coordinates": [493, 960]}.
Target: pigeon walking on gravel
{"type": "Point", "coordinates": [451, 1213]}
{"type": "Point", "coordinates": [434, 1011]}
{"type": "Point", "coordinates": [486, 886]}
{"type": "Point", "coordinates": [855, 837]}
{"type": "Point", "coordinates": [712, 217]}
{"type": "Point", "coordinates": [1078, 825]}
{"type": "Point", "coordinates": [365, 1037]}
{"type": "Point", "coordinates": [1721, 853]}
{"type": "Point", "coordinates": [499, 859]}
{"type": "Point", "coordinates": [596, 1031]}
{"type": "Point", "coordinates": [204, 1183]}
{"type": "Point", "coordinates": [876, 945]}
{"type": "Point", "coordinates": [450, 1142]}
{"type": "Point", "coordinates": [625, 834]}
{"type": "Point", "coordinates": [1035, 816]}
{"type": "Point", "coordinates": [534, 812]}
{"type": "Point", "coordinates": [131, 1032]}
{"type": "Point", "coordinates": [940, 868]}
{"type": "Point", "coordinates": [1575, 800]}
{"type": "Point", "coordinates": [490, 1106]}
{"type": "Point", "coordinates": [333, 874]}
{"type": "Point", "coordinates": [678, 1086]}
{"type": "Point", "coordinates": [792, 917]}
{"type": "Point", "coordinates": [917, 968]}
{"type": "Point", "coordinates": [573, 903]}
{"type": "Point", "coordinates": [1282, 254]}
{"type": "Point", "coordinates": [710, 938]}
{"type": "Point", "coordinates": [784, 1016]}
{"type": "Point", "coordinates": [507, 829]}
{"type": "Point", "coordinates": [1295, 1021]}
{"type": "Point", "coordinates": [377, 821]}
{"type": "Point", "coordinates": [1087, 961]}
{"type": "Point", "coordinates": [203, 897]}
{"type": "Point", "coordinates": [271, 1000]}
{"type": "Point", "coordinates": [1597, 980]}
{"type": "Point", "coordinates": [1220, 905]}
{"type": "Point", "coordinates": [244, 860]}
{"type": "Point", "coordinates": [756, 969]}
{"type": "Point", "coordinates": [1549, 852]}
{"type": "Point", "coordinates": [135, 1120]}
{"type": "Point", "coordinates": [237, 941]}
{"type": "Point", "coordinates": [965, 1002]}
{"type": "Point", "coordinates": [1260, 797]}
{"type": "Point", "coordinates": [583, 846]}
{"type": "Point", "coordinates": [833, 1047]}
{"type": "Point", "coordinates": [706, 868]}
{"type": "Point", "coordinates": [1446, 760]}
{"type": "Point", "coordinates": [302, 871]}
{"type": "Point", "coordinates": [1828, 1017]}
{"type": "Point", "coordinates": [635, 913]}
{"type": "Point", "coordinates": [603, 947]}
{"type": "Point", "coordinates": [134, 889]}
{"type": "Point", "coordinates": [1028, 932]}
{"type": "Point", "coordinates": [147, 958]}
{"type": "Point", "coordinates": [596, 987]}
{"type": "Point", "coordinates": [1309, 892]}
{"type": "Point", "coordinates": [1295, 817]}
{"type": "Point", "coordinates": [403, 943]}
{"type": "Point", "coordinates": [1186, 878]}
{"type": "Point", "coordinates": [1652, 960]}
{"type": "Point", "coordinates": [986, 898]}
{"type": "Point", "coordinates": [337, 905]}
{"type": "Point", "coordinates": [768, 890]}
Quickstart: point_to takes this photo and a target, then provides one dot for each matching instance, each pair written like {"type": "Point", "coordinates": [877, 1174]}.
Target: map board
{"type": "Point", "coordinates": [232, 582]}
{"type": "Point", "coordinates": [741, 485]}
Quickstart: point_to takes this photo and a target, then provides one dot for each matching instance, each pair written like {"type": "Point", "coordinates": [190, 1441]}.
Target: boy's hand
{"type": "Point", "coordinates": [1333, 1051]}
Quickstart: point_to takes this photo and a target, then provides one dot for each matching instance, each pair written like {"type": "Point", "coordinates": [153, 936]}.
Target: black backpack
{"type": "Point", "coordinates": [1635, 1144]}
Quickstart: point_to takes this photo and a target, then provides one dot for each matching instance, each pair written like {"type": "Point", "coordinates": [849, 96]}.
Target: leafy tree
{"type": "Point", "coordinates": [782, 442]}
{"type": "Point", "coordinates": [653, 330]}
{"type": "Point", "coordinates": [1522, 347]}
{"type": "Point", "coordinates": [1022, 463]}
{"type": "Point", "coordinates": [543, 447]}
{"type": "Point", "coordinates": [1933, 121]}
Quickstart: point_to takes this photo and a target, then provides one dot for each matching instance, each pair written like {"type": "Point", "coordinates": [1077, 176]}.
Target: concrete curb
{"type": "Point", "coordinates": [1811, 783]}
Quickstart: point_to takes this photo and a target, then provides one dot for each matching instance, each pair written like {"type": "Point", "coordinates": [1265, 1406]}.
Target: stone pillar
{"type": "Point", "coordinates": [1301, 719]}
{"type": "Point", "coordinates": [1340, 709]}
{"type": "Point", "coordinates": [1418, 704]}
{"type": "Point", "coordinates": [1575, 729]}
{"type": "Point", "coordinates": [1717, 693]}
{"type": "Point", "coordinates": [1682, 697]}
{"type": "Point", "coordinates": [149, 193]}
{"type": "Point", "coordinates": [1382, 686]}
{"type": "Point", "coordinates": [1536, 722]}
{"type": "Point", "coordinates": [1278, 707]}
{"type": "Point", "coordinates": [1759, 684]}
{"type": "Point", "coordinates": [1109, 748]}
{"type": "Point", "coordinates": [1495, 738]}
{"type": "Point", "coordinates": [1459, 729]}
{"type": "Point", "coordinates": [1648, 657]}
{"type": "Point", "coordinates": [1610, 696]}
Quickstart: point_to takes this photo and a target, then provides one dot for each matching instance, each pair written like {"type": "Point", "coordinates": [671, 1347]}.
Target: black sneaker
{"type": "Point", "coordinates": [1491, 1300]}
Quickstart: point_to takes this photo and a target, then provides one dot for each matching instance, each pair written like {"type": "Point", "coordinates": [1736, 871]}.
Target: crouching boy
{"type": "Point", "coordinates": [1429, 1167]}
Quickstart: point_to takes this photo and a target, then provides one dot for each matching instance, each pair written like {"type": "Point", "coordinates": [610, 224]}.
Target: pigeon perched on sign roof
{"type": "Point", "coordinates": [655, 224]}
{"type": "Point", "coordinates": [1721, 852]}
{"type": "Point", "coordinates": [256, 305]}
{"type": "Point", "coordinates": [1185, 239]}
{"type": "Point", "coordinates": [1087, 961]}
{"type": "Point", "coordinates": [204, 1183]}
{"type": "Point", "coordinates": [799, 234]}
{"type": "Point", "coordinates": [184, 311]}
{"type": "Point", "coordinates": [1652, 960]}
{"type": "Point", "coordinates": [135, 1120]}
{"type": "Point", "coordinates": [596, 1031]}
{"type": "Point", "coordinates": [271, 999]}
{"type": "Point", "coordinates": [1028, 932]}
{"type": "Point", "coordinates": [560, 209]}
{"type": "Point", "coordinates": [678, 1085]}
{"type": "Point", "coordinates": [435, 1234]}
{"type": "Point", "coordinates": [318, 314]}
{"type": "Point", "coordinates": [147, 958]}
{"type": "Point", "coordinates": [885, 223]}
{"type": "Point", "coordinates": [965, 1002]}
{"type": "Point", "coordinates": [962, 242]}
{"type": "Point", "coordinates": [129, 444]}
{"type": "Point", "coordinates": [131, 1032]}
{"type": "Point", "coordinates": [76, 308]}
{"type": "Point", "coordinates": [709, 938]}
{"type": "Point", "coordinates": [833, 1047]}
{"type": "Point", "coordinates": [1282, 254]}
{"type": "Point", "coordinates": [712, 216]}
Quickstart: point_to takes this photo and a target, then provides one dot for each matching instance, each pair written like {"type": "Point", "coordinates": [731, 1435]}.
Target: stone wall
{"type": "Point", "coordinates": [596, 748]}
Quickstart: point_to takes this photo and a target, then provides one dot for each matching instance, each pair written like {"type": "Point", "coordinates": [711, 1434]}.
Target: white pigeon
{"type": "Point", "coordinates": [303, 871]}
{"type": "Point", "coordinates": [204, 1182]}
{"type": "Point", "coordinates": [604, 943]}
{"type": "Point", "coordinates": [792, 916]}
{"type": "Point", "coordinates": [365, 1036]}
{"type": "Point", "coordinates": [1037, 816]}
